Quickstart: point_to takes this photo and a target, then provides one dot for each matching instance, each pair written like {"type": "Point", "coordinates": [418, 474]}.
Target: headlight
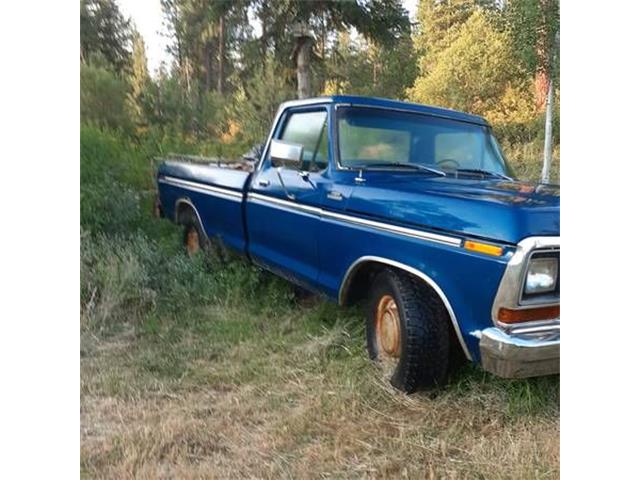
{"type": "Point", "coordinates": [542, 275]}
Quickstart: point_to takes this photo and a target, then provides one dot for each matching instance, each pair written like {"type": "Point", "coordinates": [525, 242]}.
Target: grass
{"type": "Point", "coordinates": [241, 395]}
{"type": "Point", "coordinates": [201, 367]}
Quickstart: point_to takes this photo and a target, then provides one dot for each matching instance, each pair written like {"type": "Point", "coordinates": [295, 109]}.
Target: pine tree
{"type": "Point", "coordinates": [105, 32]}
{"type": "Point", "coordinates": [439, 22]}
{"type": "Point", "coordinates": [139, 82]}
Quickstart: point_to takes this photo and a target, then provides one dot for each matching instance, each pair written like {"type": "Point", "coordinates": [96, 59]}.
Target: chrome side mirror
{"type": "Point", "coordinates": [287, 155]}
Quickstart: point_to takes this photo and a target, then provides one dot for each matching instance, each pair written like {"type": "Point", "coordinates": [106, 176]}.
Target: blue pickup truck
{"type": "Point", "coordinates": [409, 209]}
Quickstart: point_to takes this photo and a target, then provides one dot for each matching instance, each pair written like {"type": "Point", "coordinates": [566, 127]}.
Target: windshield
{"type": "Point", "coordinates": [369, 136]}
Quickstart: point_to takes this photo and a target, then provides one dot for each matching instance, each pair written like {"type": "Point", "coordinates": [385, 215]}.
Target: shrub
{"type": "Point", "coordinates": [132, 264]}
{"type": "Point", "coordinates": [115, 175]}
{"type": "Point", "coordinates": [113, 281]}
{"type": "Point", "coordinates": [103, 96]}
{"type": "Point", "coordinates": [125, 278]}
{"type": "Point", "coordinates": [109, 207]}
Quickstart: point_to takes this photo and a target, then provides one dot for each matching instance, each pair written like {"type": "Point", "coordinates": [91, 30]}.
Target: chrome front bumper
{"type": "Point", "coordinates": [520, 355]}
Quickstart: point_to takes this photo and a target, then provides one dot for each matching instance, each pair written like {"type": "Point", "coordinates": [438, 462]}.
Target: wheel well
{"type": "Point", "coordinates": [183, 207]}
{"type": "Point", "coordinates": [359, 281]}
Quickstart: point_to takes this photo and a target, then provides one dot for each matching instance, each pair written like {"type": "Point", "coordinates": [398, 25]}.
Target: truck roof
{"type": "Point", "coordinates": [391, 104]}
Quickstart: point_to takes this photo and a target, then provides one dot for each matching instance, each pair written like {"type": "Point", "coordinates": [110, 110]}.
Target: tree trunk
{"type": "Point", "coordinates": [263, 15]}
{"type": "Point", "coordinates": [221, 54]}
{"type": "Point", "coordinates": [323, 41]}
{"type": "Point", "coordinates": [303, 61]}
{"type": "Point", "coordinates": [541, 86]}
{"type": "Point", "coordinates": [208, 66]}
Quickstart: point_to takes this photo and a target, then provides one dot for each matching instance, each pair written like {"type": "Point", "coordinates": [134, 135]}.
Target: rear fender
{"type": "Point", "coordinates": [182, 205]}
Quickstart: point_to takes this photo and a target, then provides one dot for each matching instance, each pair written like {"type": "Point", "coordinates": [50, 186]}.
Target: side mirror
{"type": "Point", "coordinates": [288, 155]}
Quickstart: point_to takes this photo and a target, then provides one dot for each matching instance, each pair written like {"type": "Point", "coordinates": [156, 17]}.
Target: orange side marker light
{"type": "Point", "coordinates": [483, 248]}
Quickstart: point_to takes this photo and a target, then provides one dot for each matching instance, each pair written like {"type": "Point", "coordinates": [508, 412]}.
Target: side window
{"type": "Point", "coordinates": [309, 129]}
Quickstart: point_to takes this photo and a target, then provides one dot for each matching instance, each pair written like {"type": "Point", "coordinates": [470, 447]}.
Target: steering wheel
{"type": "Point", "coordinates": [449, 160]}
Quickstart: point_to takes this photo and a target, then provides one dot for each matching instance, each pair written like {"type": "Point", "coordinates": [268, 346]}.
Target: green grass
{"type": "Point", "coordinates": [196, 365]}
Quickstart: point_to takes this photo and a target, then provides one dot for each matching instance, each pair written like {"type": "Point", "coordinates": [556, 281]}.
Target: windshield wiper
{"type": "Point", "coordinates": [484, 172]}
{"type": "Point", "coordinates": [414, 166]}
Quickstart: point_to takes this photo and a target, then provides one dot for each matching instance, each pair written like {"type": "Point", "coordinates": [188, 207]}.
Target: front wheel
{"type": "Point", "coordinates": [407, 332]}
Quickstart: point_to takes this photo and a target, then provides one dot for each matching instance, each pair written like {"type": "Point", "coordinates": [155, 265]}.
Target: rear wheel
{"type": "Point", "coordinates": [194, 239]}
{"type": "Point", "coordinates": [407, 332]}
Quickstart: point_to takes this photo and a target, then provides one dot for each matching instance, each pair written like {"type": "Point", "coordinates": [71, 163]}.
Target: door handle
{"type": "Point", "coordinates": [264, 183]}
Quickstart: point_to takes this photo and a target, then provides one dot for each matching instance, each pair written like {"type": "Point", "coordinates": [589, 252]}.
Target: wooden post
{"type": "Point", "coordinates": [304, 43]}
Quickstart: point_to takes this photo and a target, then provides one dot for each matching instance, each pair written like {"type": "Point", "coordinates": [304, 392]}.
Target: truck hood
{"type": "Point", "coordinates": [498, 210]}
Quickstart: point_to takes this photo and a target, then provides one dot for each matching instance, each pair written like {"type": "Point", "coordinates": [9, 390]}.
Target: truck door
{"type": "Point", "coordinates": [285, 197]}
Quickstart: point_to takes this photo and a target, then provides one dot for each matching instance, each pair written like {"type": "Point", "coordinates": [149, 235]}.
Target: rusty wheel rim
{"type": "Point", "coordinates": [388, 333]}
{"type": "Point", "coordinates": [192, 242]}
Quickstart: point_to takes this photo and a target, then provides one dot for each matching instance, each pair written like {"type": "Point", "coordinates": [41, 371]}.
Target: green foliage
{"type": "Point", "coordinates": [382, 21]}
{"type": "Point", "coordinates": [472, 73]}
{"type": "Point", "coordinates": [255, 106]}
{"type": "Point", "coordinates": [112, 281]}
{"type": "Point", "coordinates": [439, 23]}
{"type": "Point", "coordinates": [112, 174]}
{"type": "Point", "coordinates": [472, 55]}
{"type": "Point", "coordinates": [106, 152]}
{"type": "Point", "coordinates": [110, 207]}
{"type": "Point", "coordinates": [105, 31]}
{"type": "Point", "coordinates": [173, 108]}
{"type": "Point", "coordinates": [533, 25]}
{"type": "Point", "coordinates": [203, 33]}
{"type": "Point", "coordinates": [103, 96]}
{"type": "Point", "coordinates": [365, 68]}
{"type": "Point", "coordinates": [139, 80]}
{"type": "Point", "coordinates": [179, 112]}
{"type": "Point", "coordinates": [132, 265]}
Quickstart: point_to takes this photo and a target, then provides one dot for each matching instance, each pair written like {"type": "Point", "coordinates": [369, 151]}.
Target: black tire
{"type": "Point", "coordinates": [189, 221]}
{"type": "Point", "coordinates": [424, 341]}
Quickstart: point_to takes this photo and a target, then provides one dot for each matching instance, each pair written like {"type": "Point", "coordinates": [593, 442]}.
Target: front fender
{"type": "Point", "coordinates": [465, 281]}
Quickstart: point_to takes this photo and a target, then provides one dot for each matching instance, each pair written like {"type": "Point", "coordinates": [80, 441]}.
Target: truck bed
{"type": "Point", "coordinates": [214, 190]}
{"type": "Point", "coordinates": [227, 175]}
